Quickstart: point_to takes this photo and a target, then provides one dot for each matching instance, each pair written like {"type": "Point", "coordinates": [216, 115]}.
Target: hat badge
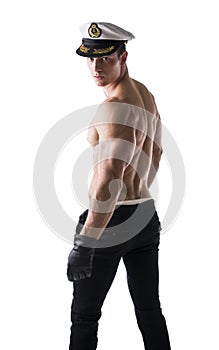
{"type": "Point", "coordinates": [94, 31]}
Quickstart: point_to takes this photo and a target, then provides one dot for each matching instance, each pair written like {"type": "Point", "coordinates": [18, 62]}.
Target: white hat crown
{"type": "Point", "coordinates": [104, 31]}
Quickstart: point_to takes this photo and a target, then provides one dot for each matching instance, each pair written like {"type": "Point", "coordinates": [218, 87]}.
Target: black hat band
{"type": "Point", "coordinates": [97, 48]}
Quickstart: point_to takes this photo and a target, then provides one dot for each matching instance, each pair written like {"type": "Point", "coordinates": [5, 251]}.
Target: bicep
{"type": "Point", "coordinates": [116, 148]}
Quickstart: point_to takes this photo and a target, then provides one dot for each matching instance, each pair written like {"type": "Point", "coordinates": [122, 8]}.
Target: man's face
{"type": "Point", "coordinates": [105, 70]}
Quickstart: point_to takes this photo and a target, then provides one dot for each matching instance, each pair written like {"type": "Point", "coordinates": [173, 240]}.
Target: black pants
{"type": "Point", "coordinates": [140, 256]}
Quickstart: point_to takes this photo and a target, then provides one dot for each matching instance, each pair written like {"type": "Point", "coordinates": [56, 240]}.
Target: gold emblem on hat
{"type": "Point", "coordinates": [101, 51]}
{"type": "Point", "coordinates": [84, 48]}
{"type": "Point", "coordinates": [94, 31]}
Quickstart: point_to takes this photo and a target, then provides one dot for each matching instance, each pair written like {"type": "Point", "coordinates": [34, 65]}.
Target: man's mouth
{"type": "Point", "coordinates": [98, 77]}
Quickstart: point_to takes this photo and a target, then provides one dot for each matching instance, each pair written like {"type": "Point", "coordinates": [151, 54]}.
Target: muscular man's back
{"type": "Point", "coordinates": [134, 108]}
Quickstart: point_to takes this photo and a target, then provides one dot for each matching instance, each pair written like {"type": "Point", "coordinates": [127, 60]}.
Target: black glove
{"type": "Point", "coordinates": [80, 259]}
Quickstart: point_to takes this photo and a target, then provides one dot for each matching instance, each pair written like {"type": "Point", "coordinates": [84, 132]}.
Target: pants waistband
{"type": "Point", "coordinates": [134, 201]}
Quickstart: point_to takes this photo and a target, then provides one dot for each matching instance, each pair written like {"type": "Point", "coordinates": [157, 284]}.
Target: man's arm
{"type": "Point", "coordinates": [112, 155]}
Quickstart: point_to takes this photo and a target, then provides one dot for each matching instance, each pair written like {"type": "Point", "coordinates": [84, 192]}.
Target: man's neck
{"type": "Point", "coordinates": [115, 90]}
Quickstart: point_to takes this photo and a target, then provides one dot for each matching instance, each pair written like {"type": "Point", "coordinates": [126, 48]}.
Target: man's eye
{"type": "Point", "coordinates": [105, 59]}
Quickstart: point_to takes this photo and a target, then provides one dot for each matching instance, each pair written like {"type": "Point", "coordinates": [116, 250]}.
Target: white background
{"type": "Point", "coordinates": [42, 80]}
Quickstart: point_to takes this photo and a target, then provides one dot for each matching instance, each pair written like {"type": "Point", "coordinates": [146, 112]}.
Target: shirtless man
{"type": "Point", "coordinates": [126, 136]}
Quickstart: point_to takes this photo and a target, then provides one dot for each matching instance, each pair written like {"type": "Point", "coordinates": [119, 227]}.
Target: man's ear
{"type": "Point", "coordinates": [123, 57]}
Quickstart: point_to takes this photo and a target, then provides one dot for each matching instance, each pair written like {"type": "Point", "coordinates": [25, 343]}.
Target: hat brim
{"type": "Point", "coordinates": [98, 48]}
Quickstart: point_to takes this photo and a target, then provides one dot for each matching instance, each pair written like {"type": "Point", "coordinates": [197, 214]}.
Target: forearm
{"type": "Point", "coordinates": [102, 202]}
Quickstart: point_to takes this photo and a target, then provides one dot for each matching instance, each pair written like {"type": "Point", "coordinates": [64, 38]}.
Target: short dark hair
{"type": "Point", "coordinates": [121, 49]}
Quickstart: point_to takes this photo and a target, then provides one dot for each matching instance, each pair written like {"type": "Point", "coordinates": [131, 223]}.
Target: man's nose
{"type": "Point", "coordinates": [97, 65]}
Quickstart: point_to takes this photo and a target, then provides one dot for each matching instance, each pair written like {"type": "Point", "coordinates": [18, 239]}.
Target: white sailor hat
{"type": "Point", "coordinates": [101, 39]}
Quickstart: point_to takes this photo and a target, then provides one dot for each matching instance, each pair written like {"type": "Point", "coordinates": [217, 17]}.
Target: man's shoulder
{"type": "Point", "coordinates": [142, 87]}
{"type": "Point", "coordinates": [114, 105]}
{"type": "Point", "coordinates": [114, 111]}
{"type": "Point", "coordinates": [147, 97]}
{"type": "Point", "coordinates": [111, 99]}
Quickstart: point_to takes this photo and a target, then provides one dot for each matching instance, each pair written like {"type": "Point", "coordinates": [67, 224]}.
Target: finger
{"type": "Point", "coordinates": [70, 277]}
{"type": "Point", "coordinates": [88, 274]}
{"type": "Point", "coordinates": [70, 274]}
{"type": "Point", "coordinates": [82, 275]}
{"type": "Point", "coordinates": [77, 276]}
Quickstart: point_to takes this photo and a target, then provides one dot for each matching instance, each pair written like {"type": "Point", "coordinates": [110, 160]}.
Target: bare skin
{"type": "Point", "coordinates": [110, 139]}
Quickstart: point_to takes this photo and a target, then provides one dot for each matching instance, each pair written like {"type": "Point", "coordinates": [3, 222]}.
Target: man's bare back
{"type": "Point", "coordinates": [143, 107]}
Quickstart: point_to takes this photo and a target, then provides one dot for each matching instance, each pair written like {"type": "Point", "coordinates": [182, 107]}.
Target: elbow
{"type": "Point", "coordinates": [112, 169]}
{"type": "Point", "coordinates": [107, 175]}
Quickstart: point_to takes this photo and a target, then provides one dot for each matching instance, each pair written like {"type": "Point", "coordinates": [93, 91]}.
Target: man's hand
{"type": "Point", "coordinates": [80, 259]}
